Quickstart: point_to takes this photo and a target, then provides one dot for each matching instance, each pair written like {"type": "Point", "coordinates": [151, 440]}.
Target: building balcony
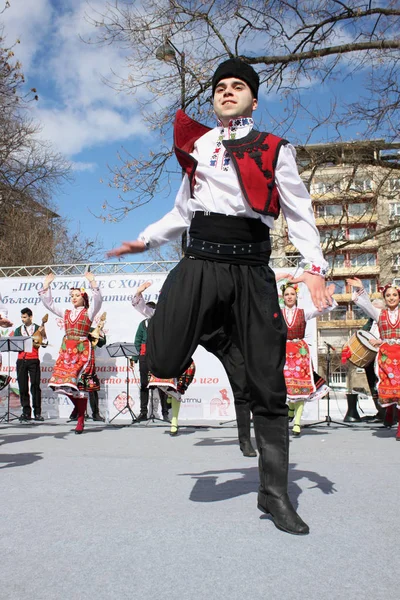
{"type": "Point", "coordinates": [371, 244]}
{"type": "Point", "coordinates": [346, 297]}
{"type": "Point", "coordinates": [349, 271]}
{"type": "Point", "coordinates": [365, 219]}
{"type": "Point", "coordinates": [343, 196]}
{"type": "Point", "coordinates": [341, 324]}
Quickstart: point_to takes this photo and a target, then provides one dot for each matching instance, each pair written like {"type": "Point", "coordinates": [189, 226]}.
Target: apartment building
{"type": "Point", "coordinates": [355, 189]}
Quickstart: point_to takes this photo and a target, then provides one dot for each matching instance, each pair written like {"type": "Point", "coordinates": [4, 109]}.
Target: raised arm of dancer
{"type": "Point", "coordinates": [139, 303]}
{"type": "Point", "coordinates": [97, 299]}
{"type": "Point", "coordinates": [361, 298]}
{"type": "Point", "coordinates": [47, 298]}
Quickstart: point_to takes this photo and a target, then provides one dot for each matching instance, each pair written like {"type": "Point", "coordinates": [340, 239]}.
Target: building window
{"type": "Point", "coordinates": [361, 185]}
{"type": "Point", "coordinates": [396, 260]}
{"type": "Point", "coordinates": [329, 210]}
{"type": "Point", "coordinates": [394, 209]}
{"type": "Point", "coordinates": [317, 187]}
{"type": "Point", "coordinates": [338, 377]}
{"type": "Point", "coordinates": [363, 260]}
{"type": "Point", "coordinates": [332, 234]}
{"type": "Point", "coordinates": [395, 235]}
{"type": "Point", "coordinates": [358, 313]}
{"type": "Point", "coordinates": [369, 285]}
{"type": "Point", "coordinates": [340, 286]}
{"type": "Point", "coordinates": [336, 261]}
{"type": "Point", "coordinates": [358, 209]}
{"type": "Point", "coordinates": [358, 233]}
{"type": "Point", "coordinates": [337, 314]}
{"type": "Point", "coordinates": [394, 184]}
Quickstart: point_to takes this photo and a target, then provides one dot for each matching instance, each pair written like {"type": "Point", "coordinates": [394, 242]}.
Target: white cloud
{"type": "Point", "coordinates": [79, 110]}
{"type": "Point", "coordinates": [84, 166]}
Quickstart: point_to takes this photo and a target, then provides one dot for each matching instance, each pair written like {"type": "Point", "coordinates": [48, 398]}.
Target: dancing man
{"type": "Point", "coordinates": [28, 369]}
{"type": "Point", "coordinates": [74, 371]}
{"type": "Point", "coordinates": [236, 180]}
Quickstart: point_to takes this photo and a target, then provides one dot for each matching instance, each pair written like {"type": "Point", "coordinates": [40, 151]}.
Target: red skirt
{"type": "Point", "coordinates": [298, 370]}
{"type": "Point", "coordinates": [387, 367]}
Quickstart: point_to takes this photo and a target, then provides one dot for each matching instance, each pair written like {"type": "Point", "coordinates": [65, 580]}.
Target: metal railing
{"type": "Point", "coordinates": [156, 266]}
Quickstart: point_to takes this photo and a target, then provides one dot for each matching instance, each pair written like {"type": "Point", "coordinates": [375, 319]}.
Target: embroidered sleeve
{"type": "Point", "coordinates": [47, 299]}
{"type": "Point", "coordinates": [362, 300]}
{"type": "Point", "coordinates": [311, 314]}
{"type": "Point", "coordinates": [95, 305]}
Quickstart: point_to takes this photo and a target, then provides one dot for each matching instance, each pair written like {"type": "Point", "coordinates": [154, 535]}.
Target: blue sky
{"type": "Point", "coordinates": [88, 121]}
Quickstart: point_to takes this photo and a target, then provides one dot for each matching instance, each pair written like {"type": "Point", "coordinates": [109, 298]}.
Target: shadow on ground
{"type": "Point", "coordinates": [207, 488]}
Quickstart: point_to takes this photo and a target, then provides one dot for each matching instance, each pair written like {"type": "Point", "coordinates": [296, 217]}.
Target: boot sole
{"type": "Point", "coordinates": [266, 512]}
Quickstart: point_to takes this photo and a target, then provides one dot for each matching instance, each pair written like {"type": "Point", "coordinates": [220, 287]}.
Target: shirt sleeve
{"type": "Point", "coordinates": [47, 299]}
{"type": "Point", "coordinates": [362, 300]}
{"type": "Point", "coordinates": [297, 210]}
{"type": "Point", "coordinates": [173, 224]}
{"type": "Point", "coordinates": [139, 303]}
{"type": "Point", "coordinates": [311, 314]}
{"type": "Point", "coordinates": [95, 305]}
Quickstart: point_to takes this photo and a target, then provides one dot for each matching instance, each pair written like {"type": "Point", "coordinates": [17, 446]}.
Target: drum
{"type": "Point", "coordinates": [362, 351]}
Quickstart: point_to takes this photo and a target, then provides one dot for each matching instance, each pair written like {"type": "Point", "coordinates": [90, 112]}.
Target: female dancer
{"type": "Point", "coordinates": [387, 362]}
{"type": "Point", "coordinates": [74, 371]}
{"type": "Point", "coordinates": [302, 383]}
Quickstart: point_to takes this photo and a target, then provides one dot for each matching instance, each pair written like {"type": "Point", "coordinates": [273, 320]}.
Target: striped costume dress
{"type": "Point", "coordinates": [75, 369]}
{"type": "Point", "coordinates": [302, 383]}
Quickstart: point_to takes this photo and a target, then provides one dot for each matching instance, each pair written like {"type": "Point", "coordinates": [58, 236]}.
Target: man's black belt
{"type": "Point", "coordinates": [227, 249]}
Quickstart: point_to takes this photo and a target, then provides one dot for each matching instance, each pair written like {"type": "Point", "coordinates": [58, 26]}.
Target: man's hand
{"type": "Point", "coordinates": [320, 294]}
{"type": "Point", "coordinates": [355, 282]}
{"type": "Point", "coordinates": [143, 287]}
{"type": "Point", "coordinates": [127, 248]}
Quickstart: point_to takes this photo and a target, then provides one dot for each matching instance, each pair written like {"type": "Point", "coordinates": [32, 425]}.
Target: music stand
{"type": "Point", "coordinates": [128, 350]}
{"type": "Point", "coordinates": [14, 343]}
{"type": "Point", "coordinates": [152, 416]}
{"type": "Point", "coordinates": [328, 420]}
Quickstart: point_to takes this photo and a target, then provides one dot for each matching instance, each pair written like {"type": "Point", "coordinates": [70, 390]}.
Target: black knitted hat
{"type": "Point", "coordinates": [234, 67]}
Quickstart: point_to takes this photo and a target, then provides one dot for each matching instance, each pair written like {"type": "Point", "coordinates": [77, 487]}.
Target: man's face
{"type": "Point", "coordinates": [26, 319]}
{"type": "Point", "coordinates": [233, 98]}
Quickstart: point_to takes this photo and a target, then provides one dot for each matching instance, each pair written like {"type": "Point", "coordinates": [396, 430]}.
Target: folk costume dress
{"type": "Point", "coordinates": [302, 383]}
{"type": "Point", "coordinates": [387, 362]}
{"type": "Point", "coordinates": [74, 370]}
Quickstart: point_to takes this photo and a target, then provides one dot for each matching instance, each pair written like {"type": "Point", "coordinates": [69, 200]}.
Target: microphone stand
{"type": "Point", "coordinates": [328, 420]}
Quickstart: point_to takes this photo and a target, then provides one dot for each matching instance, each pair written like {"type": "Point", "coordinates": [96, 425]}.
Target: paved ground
{"type": "Point", "coordinates": [132, 513]}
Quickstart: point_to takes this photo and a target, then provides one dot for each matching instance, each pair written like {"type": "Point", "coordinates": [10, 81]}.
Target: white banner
{"type": "Point", "coordinates": [208, 397]}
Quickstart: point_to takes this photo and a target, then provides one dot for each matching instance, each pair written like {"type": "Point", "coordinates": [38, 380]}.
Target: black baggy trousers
{"type": "Point", "coordinates": [199, 297]}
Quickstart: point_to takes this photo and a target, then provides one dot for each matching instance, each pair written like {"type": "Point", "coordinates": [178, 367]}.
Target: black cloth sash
{"type": "Point", "coordinates": [223, 238]}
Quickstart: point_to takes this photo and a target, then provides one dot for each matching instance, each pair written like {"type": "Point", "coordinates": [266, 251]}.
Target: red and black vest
{"type": "Point", "coordinates": [297, 329]}
{"type": "Point", "coordinates": [254, 156]}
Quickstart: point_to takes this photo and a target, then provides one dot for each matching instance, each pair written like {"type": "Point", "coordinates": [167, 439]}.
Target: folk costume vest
{"type": "Point", "coordinates": [34, 355]}
{"type": "Point", "coordinates": [254, 157]}
{"type": "Point", "coordinates": [297, 329]}
{"type": "Point", "coordinates": [388, 331]}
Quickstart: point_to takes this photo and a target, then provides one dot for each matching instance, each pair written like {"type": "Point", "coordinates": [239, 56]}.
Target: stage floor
{"type": "Point", "coordinates": [129, 512]}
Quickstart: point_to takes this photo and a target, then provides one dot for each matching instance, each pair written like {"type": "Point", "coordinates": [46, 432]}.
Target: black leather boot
{"type": "Point", "coordinates": [94, 405]}
{"type": "Point", "coordinates": [272, 435]}
{"type": "Point", "coordinates": [243, 425]}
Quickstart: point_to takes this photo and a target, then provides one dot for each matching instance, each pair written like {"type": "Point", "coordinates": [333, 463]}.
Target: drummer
{"type": "Point", "coordinates": [372, 326]}
{"type": "Point", "coordinates": [387, 362]}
